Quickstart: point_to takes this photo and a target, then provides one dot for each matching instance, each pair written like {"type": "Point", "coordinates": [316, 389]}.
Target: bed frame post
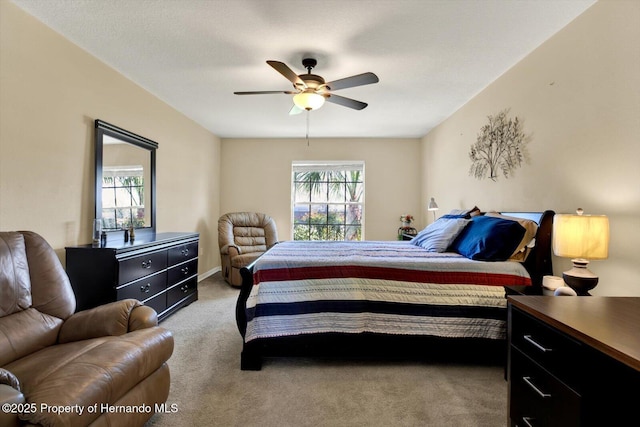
{"type": "Point", "coordinates": [250, 358]}
{"type": "Point", "coordinates": [241, 304]}
{"type": "Point", "coordinates": [542, 263]}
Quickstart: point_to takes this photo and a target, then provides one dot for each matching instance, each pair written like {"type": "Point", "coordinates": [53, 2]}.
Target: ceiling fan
{"type": "Point", "coordinates": [311, 90]}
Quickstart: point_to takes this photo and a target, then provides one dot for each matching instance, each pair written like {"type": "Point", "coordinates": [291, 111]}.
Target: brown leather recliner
{"type": "Point", "coordinates": [104, 366]}
{"type": "Point", "coordinates": [243, 237]}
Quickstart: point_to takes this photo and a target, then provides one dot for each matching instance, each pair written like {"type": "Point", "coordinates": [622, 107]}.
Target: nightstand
{"type": "Point", "coordinates": [407, 233]}
{"type": "Point", "coordinates": [573, 361]}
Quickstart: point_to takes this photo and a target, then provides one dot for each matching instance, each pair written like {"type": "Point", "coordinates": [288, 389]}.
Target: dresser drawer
{"type": "Point", "coordinates": [182, 271]}
{"type": "Point", "coordinates": [542, 399]}
{"type": "Point", "coordinates": [144, 288]}
{"type": "Point", "coordinates": [142, 265]}
{"type": "Point", "coordinates": [183, 252]}
{"type": "Point", "coordinates": [158, 302]}
{"type": "Point", "coordinates": [551, 349]}
{"type": "Point", "coordinates": [181, 290]}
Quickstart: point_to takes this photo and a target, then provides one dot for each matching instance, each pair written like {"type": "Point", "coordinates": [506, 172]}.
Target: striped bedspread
{"type": "Point", "coordinates": [386, 287]}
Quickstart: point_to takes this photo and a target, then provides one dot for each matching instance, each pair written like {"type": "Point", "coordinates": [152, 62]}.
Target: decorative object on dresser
{"type": "Point", "coordinates": [565, 291]}
{"type": "Point", "coordinates": [573, 361]}
{"type": "Point", "coordinates": [581, 237]}
{"type": "Point", "coordinates": [160, 270]}
{"type": "Point", "coordinates": [550, 284]}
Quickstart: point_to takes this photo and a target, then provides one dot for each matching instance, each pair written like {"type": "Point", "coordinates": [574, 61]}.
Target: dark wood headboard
{"type": "Point", "coordinates": [538, 263]}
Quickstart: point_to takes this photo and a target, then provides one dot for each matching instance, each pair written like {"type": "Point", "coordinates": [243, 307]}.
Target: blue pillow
{"type": "Point", "coordinates": [438, 236]}
{"type": "Point", "coordinates": [488, 238]}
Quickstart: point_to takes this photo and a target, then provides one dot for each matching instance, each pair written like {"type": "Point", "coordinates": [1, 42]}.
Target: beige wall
{"type": "Point", "coordinates": [51, 92]}
{"type": "Point", "coordinates": [578, 97]}
{"type": "Point", "coordinates": [256, 176]}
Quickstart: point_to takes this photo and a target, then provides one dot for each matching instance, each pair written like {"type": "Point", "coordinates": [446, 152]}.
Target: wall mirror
{"type": "Point", "coordinates": [125, 187]}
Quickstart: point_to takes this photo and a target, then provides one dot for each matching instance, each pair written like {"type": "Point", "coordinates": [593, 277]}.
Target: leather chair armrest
{"type": "Point", "coordinates": [142, 317]}
{"type": "Point", "coordinates": [7, 378]}
{"type": "Point", "coordinates": [115, 318]}
{"type": "Point", "coordinates": [9, 394]}
{"type": "Point", "coordinates": [231, 250]}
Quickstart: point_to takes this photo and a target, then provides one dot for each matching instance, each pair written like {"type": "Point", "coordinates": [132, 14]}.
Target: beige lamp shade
{"type": "Point", "coordinates": [581, 236]}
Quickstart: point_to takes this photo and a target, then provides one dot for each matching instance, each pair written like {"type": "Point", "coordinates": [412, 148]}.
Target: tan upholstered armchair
{"type": "Point", "coordinates": [52, 359]}
{"type": "Point", "coordinates": [243, 237]}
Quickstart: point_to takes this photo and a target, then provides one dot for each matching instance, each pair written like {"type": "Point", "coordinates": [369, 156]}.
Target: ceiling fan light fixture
{"type": "Point", "coordinates": [308, 100]}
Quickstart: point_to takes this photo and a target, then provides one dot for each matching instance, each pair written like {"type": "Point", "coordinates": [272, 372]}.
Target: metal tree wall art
{"type": "Point", "coordinates": [500, 147]}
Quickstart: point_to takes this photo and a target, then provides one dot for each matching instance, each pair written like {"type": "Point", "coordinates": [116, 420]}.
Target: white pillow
{"type": "Point", "coordinates": [438, 236]}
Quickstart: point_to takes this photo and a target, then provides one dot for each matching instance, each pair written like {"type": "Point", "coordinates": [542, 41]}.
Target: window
{"type": "Point", "coordinates": [328, 200]}
{"type": "Point", "coordinates": [122, 197]}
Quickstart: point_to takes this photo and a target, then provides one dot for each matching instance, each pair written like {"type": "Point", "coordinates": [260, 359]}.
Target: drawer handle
{"type": "Point", "coordinates": [534, 388]}
{"type": "Point", "coordinates": [185, 252]}
{"type": "Point", "coordinates": [145, 288]}
{"type": "Point", "coordinates": [184, 289]}
{"type": "Point", "coordinates": [536, 345]}
{"type": "Point", "coordinates": [146, 264]}
{"type": "Point", "coordinates": [185, 270]}
{"type": "Point", "coordinates": [527, 421]}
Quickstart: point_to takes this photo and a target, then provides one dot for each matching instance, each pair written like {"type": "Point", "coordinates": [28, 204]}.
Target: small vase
{"type": "Point", "coordinates": [96, 232]}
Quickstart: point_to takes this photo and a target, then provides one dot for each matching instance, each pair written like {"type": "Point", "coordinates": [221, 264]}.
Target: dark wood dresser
{"type": "Point", "coordinates": [159, 269]}
{"type": "Point", "coordinates": [573, 361]}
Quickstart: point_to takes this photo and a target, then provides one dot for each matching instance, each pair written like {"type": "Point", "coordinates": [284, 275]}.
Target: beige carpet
{"type": "Point", "coordinates": [209, 389]}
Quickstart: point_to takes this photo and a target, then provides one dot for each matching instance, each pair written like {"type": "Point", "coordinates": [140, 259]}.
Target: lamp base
{"type": "Point", "coordinates": [580, 278]}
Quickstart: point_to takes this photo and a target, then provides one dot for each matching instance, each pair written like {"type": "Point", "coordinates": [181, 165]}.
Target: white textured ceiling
{"type": "Point", "coordinates": [431, 56]}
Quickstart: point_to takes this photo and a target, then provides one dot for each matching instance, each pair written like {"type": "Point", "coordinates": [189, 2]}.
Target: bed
{"type": "Point", "coordinates": [393, 298]}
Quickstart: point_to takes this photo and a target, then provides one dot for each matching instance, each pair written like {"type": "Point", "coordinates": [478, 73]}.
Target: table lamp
{"type": "Point", "coordinates": [433, 206]}
{"type": "Point", "coordinates": [582, 238]}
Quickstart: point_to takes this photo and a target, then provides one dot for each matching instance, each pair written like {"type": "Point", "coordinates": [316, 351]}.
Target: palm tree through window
{"type": "Point", "coordinates": [122, 197]}
{"type": "Point", "coordinates": [328, 200]}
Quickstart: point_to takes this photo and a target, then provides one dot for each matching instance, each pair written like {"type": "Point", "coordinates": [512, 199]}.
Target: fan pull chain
{"type": "Point", "coordinates": [307, 128]}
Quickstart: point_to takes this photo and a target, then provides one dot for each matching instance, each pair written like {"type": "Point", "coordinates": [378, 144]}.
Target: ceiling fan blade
{"type": "Point", "coordinates": [295, 110]}
{"type": "Point", "coordinates": [284, 69]}
{"type": "Point", "coordinates": [346, 102]}
{"type": "Point", "coordinates": [266, 92]}
{"type": "Point", "coordinates": [358, 80]}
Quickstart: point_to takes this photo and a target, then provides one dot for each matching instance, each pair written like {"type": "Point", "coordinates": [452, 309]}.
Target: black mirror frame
{"type": "Point", "coordinates": [103, 128]}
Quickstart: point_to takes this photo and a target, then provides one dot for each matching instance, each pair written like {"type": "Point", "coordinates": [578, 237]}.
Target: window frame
{"type": "Point", "coordinates": [117, 174]}
{"type": "Point", "coordinates": [329, 166]}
